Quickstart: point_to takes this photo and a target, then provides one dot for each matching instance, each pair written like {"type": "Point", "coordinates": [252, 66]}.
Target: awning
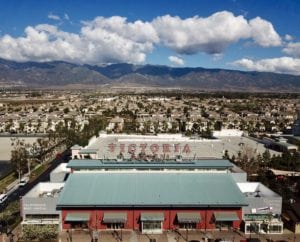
{"type": "Point", "coordinates": [152, 217]}
{"type": "Point", "coordinates": [188, 217]}
{"type": "Point", "coordinates": [77, 217]}
{"type": "Point", "coordinates": [115, 217]}
{"type": "Point", "coordinates": [226, 216]}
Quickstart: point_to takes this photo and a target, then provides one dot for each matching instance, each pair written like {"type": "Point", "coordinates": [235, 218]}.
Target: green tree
{"type": "Point", "coordinates": [218, 125]}
{"type": "Point", "coordinates": [266, 156]}
{"type": "Point", "coordinates": [19, 158]}
{"type": "Point", "coordinates": [45, 232]}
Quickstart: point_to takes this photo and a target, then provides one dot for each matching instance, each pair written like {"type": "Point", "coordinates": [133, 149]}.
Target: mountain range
{"type": "Point", "coordinates": [59, 74]}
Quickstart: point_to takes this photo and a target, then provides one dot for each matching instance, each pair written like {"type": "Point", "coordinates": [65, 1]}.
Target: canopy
{"type": "Point", "coordinates": [115, 217]}
{"type": "Point", "coordinates": [226, 216]}
{"type": "Point", "coordinates": [188, 217]}
{"type": "Point", "coordinates": [152, 216]}
{"type": "Point", "coordinates": [77, 217]}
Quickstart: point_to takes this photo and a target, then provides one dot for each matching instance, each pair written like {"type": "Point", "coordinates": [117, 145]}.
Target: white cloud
{"type": "Point", "coordinates": [101, 40]}
{"type": "Point", "coordinates": [53, 16]}
{"type": "Point", "coordinates": [263, 33]}
{"type": "Point", "coordinates": [288, 37]}
{"type": "Point", "coordinates": [115, 39]}
{"type": "Point", "coordinates": [286, 65]}
{"type": "Point", "coordinates": [292, 49]}
{"type": "Point", "coordinates": [176, 60]}
{"type": "Point", "coordinates": [213, 34]}
{"type": "Point", "coordinates": [192, 35]}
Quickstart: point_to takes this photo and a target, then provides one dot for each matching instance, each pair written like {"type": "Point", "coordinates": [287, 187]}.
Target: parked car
{"type": "Point", "coordinates": [3, 198]}
{"type": "Point", "coordinates": [23, 181]}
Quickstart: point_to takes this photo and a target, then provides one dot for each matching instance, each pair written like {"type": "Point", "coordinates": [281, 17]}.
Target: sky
{"type": "Point", "coordinates": [260, 35]}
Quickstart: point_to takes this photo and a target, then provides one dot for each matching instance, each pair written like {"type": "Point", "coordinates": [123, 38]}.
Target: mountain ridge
{"type": "Point", "coordinates": [60, 73]}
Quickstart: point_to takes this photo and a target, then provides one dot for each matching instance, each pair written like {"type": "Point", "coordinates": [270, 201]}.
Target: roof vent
{"type": "Point", "coordinates": [257, 193]}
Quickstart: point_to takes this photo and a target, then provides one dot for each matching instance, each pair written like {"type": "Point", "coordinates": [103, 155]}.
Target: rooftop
{"type": "Point", "coordinates": [109, 146]}
{"type": "Point", "coordinates": [62, 168]}
{"type": "Point", "coordinates": [167, 164]}
{"type": "Point", "coordinates": [250, 189]}
{"type": "Point", "coordinates": [150, 190]}
{"type": "Point", "coordinates": [45, 189]}
{"type": "Point", "coordinates": [260, 199]}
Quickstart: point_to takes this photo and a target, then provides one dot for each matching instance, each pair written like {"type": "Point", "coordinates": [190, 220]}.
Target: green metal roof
{"type": "Point", "coordinates": [77, 217]}
{"type": "Point", "coordinates": [226, 216]}
{"type": "Point", "coordinates": [152, 216]}
{"type": "Point", "coordinates": [88, 151]}
{"type": "Point", "coordinates": [150, 190]}
{"type": "Point", "coordinates": [110, 164]}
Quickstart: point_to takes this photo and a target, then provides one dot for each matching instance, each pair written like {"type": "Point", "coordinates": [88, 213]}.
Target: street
{"type": "Point", "coordinates": [16, 192]}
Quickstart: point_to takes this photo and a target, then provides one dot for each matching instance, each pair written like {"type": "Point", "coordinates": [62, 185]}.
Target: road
{"type": "Point", "coordinates": [18, 192]}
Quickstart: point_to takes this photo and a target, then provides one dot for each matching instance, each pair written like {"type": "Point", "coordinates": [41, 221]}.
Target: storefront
{"type": "Point", "coordinates": [264, 227]}
{"type": "Point", "coordinates": [225, 220]}
{"type": "Point", "coordinates": [77, 220]}
{"type": "Point", "coordinates": [115, 220]}
{"type": "Point", "coordinates": [152, 222]}
{"type": "Point", "coordinates": [188, 220]}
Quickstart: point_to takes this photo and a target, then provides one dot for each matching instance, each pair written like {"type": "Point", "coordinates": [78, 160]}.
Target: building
{"type": "Point", "coordinates": [151, 197]}
{"type": "Point", "coordinates": [292, 218]}
{"type": "Point", "coordinates": [198, 166]}
{"type": "Point", "coordinates": [151, 202]}
{"type": "Point", "coordinates": [263, 212]}
{"type": "Point", "coordinates": [60, 173]}
{"type": "Point", "coordinates": [166, 146]}
{"type": "Point", "coordinates": [164, 182]}
{"type": "Point", "coordinates": [167, 166]}
{"type": "Point", "coordinates": [296, 126]}
{"type": "Point", "coordinates": [38, 206]}
{"type": "Point", "coordinates": [279, 143]}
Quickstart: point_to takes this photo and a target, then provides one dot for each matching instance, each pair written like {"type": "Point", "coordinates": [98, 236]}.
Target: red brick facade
{"type": "Point", "coordinates": [169, 222]}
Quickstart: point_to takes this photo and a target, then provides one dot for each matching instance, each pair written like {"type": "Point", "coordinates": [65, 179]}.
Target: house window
{"type": "Point", "coordinates": [115, 225]}
{"type": "Point", "coordinates": [252, 228]}
{"type": "Point", "coordinates": [79, 225]}
{"type": "Point", "coordinates": [223, 224]}
{"type": "Point", "coordinates": [151, 226]}
{"type": "Point", "coordinates": [275, 229]}
{"type": "Point", "coordinates": [187, 225]}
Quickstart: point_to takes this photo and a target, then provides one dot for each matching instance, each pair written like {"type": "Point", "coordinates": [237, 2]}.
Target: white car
{"type": "Point", "coordinates": [3, 198]}
{"type": "Point", "coordinates": [23, 181]}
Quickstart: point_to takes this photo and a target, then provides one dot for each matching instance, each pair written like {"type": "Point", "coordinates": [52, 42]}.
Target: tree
{"type": "Point", "coordinates": [130, 126]}
{"type": "Point", "coordinates": [19, 158]}
{"type": "Point", "coordinates": [44, 232]}
{"type": "Point", "coordinates": [266, 156]}
{"type": "Point", "coordinates": [169, 112]}
{"type": "Point", "coordinates": [195, 128]}
{"type": "Point", "coordinates": [9, 215]}
{"type": "Point", "coordinates": [218, 125]}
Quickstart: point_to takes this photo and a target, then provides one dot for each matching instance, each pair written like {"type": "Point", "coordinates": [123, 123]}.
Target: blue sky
{"type": "Point", "coordinates": [232, 34]}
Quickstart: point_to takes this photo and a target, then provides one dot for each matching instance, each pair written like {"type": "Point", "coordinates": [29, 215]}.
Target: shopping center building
{"type": "Point", "coordinates": [151, 202]}
{"type": "Point", "coordinates": [157, 183]}
{"type": "Point", "coordinates": [166, 146]}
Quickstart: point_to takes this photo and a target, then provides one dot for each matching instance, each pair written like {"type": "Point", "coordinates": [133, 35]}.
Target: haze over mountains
{"type": "Point", "coordinates": [60, 74]}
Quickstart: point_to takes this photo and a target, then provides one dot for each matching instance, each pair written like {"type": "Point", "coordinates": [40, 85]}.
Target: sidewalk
{"type": "Point", "coordinates": [167, 236]}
